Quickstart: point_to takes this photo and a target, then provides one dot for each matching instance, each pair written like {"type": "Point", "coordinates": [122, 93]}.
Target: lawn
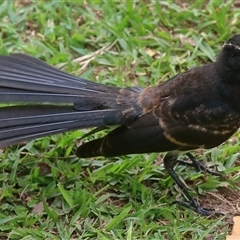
{"type": "Point", "coordinates": [46, 192]}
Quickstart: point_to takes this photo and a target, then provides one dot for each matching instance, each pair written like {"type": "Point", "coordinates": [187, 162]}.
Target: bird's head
{"type": "Point", "coordinates": [230, 54]}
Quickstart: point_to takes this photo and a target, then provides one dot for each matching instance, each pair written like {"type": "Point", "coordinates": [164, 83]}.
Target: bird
{"type": "Point", "coordinates": [198, 108]}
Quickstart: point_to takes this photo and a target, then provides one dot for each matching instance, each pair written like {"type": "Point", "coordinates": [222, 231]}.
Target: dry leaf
{"type": "Point", "coordinates": [44, 168]}
{"type": "Point", "coordinates": [185, 40]}
{"type": "Point", "coordinates": [236, 229]}
{"type": "Point", "coordinates": [38, 208]}
{"type": "Point", "coordinates": [238, 208]}
{"type": "Point", "coordinates": [141, 73]}
{"type": "Point", "coordinates": [150, 52]}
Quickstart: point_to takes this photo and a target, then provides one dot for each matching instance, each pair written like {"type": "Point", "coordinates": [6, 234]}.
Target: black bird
{"type": "Point", "coordinates": [196, 109]}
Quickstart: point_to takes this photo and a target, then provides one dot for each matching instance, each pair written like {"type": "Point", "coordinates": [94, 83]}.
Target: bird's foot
{"type": "Point", "coordinates": [170, 160]}
{"type": "Point", "coordinates": [194, 205]}
{"type": "Point", "coordinates": [198, 166]}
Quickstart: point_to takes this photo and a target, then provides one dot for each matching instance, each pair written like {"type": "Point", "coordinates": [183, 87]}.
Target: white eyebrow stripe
{"type": "Point", "coordinates": [231, 45]}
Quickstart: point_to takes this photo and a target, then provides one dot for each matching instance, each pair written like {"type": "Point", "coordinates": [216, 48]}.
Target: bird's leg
{"type": "Point", "coordinates": [197, 165]}
{"type": "Point", "coordinates": [170, 160]}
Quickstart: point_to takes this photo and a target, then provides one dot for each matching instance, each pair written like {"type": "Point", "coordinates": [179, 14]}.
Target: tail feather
{"type": "Point", "coordinates": [23, 77]}
{"type": "Point", "coordinates": [24, 123]}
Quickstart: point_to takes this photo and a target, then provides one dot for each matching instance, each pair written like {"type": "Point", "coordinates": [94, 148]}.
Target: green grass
{"type": "Point", "coordinates": [46, 192]}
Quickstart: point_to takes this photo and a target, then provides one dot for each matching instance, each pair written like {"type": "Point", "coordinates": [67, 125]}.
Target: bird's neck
{"type": "Point", "coordinates": [225, 72]}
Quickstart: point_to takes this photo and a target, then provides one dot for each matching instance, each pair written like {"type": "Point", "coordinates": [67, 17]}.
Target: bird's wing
{"type": "Point", "coordinates": [194, 115]}
{"type": "Point", "coordinates": [144, 135]}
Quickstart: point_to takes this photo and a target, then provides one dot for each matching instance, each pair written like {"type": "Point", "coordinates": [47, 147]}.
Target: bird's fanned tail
{"type": "Point", "coordinates": [46, 101]}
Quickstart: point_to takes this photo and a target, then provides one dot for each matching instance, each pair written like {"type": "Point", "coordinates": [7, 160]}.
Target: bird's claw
{"type": "Point", "coordinates": [197, 208]}
{"type": "Point", "coordinates": [198, 166]}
